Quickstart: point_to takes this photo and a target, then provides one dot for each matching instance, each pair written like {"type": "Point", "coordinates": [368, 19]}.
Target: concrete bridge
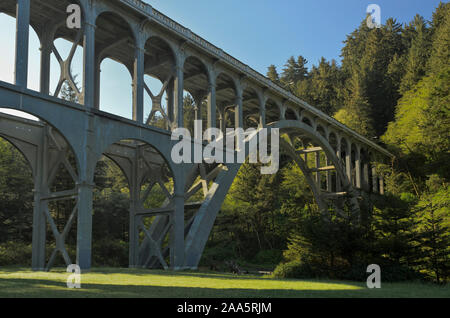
{"type": "Point", "coordinates": [76, 135]}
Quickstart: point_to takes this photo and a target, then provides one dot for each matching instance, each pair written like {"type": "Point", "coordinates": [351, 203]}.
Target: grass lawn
{"type": "Point", "coordinates": [109, 282]}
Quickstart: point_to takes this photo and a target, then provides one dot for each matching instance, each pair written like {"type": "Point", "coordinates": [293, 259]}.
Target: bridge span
{"type": "Point", "coordinates": [226, 91]}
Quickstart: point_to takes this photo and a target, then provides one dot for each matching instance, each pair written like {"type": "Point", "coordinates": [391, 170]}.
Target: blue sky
{"type": "Point", "coordinates": [264, 32]}
{"type": "Point", "coordinates": [257, 32]}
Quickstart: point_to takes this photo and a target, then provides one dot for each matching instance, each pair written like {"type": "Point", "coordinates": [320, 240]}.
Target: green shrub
{"type": "Point", "coordinates": [295, 269]}
{"type": "Point", "coordinates": [357, 272]}
{"type": "Point", "coordinates": [15, 253]}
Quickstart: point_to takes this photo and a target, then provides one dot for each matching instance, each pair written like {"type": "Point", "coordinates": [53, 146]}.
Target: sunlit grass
{"type": "Point", "coordinates": [105, 282]}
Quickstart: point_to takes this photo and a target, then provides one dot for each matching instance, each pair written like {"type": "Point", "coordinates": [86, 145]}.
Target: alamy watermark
{"type": "Point", "coordinates": [74, 19]}
{"type": "Point", "coordinates": [74, 280]}
{"type": "Point", "coordinates": [374, 279]}
{"type": "Point", "coordinates": [234, 147]}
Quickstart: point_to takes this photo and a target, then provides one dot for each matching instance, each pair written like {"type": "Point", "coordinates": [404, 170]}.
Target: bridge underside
{"type": "Point", "coordinates": [337, 162]}
{"type": "Point", "coordinates": [197, 190]}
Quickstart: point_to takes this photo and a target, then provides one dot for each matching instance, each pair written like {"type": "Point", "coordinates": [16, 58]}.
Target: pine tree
{"type": "Point", "coordinates": [322, 87]}
{"type": "Point", "coordinates": [357, 113]}
{"type": "Point", "coordinates": [440, 52]}
{"type": "Point", "coordinates": [367, 56]}
{"type": "Point", "coordinates": [294, 71]}
{"type": "Point", "coordinates": [272, 74]}
{"type": "Point", "coordinates": [418, 54]}
{"type": "Point", "coordinates": [394, 224]}
{"type": "Point", "coordinates": [434, 216]}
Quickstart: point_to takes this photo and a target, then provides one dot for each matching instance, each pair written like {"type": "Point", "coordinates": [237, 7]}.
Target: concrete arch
{"type": "Point", "coordinates": [148, 32]}
{"type": "Point", "coordinates": [321, 130]}
{"type": "Point", "coordinates": [117, 44]}
{"type": "Point", "coordinates": [273, 110]}
{"type": "Point", "coordinates": [291, 114]}
{"type": "Point", "coordinates": [101, 9]}
{"type": "Point", "coordinates": [333, 140]}
{"type": "Point", "coordinates": [345, 140]}
{"type": "Point", "coordinates": [23, 151]}
{"type": "Point", "coordinates": [222, 73]}
{"type": "Point", "coordinates": [287, 125]}
{"type": "Point", "coordinates": [144, 143]}
{"type": "Point", "coordinates": [122, 170]}
{"type": "Point", "coordinates": [308, 120]}
{"type": "Point", "coordinates": [201, 63]}
{"type": "Point", "coordinates": [121, 132]}
{"type": "Point", "coordinates": [188, 54]}
{"type": "Point", "coordinates": [129, 27]}
{"type": "Point", "coordinates": [227, 92]}
{"type": "Point", "coordinates": [291, 152]}
{"type": "Point", "coordinates": [66, 128]}
{"type": "Point", "coordinates": [199, 69]}
{"type": "Point", "coordinates": [169, 45]}
{"type": "Point", "coordinates": [253, 106]}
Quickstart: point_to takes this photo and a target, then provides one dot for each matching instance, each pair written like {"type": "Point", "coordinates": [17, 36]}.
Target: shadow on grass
{"type": "Point", "coordinates": [17, 287]}
{"type": "Point", "coordinates": [146, 272]}
{"type": "Point", "coordinates": [56, 287]}
{"type": "Point", "coordinates": [217, 275]}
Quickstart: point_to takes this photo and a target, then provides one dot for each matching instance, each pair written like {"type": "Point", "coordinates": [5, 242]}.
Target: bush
{"type": "Point", "coordinates": [15, 253]}
{"type": "Point", "coordinates": [294, 269]}
{"type": "Point", "coordinates": [304, 270]}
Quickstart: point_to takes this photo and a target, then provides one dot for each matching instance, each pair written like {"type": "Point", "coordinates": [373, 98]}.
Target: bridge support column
{"type": "Point", "coordinates": [39, 206]}
{"type": "Point", "coordinates": [222, 119]}
{"type": "Point", "coordinates": [358, 168]}
{"type": "Point", "coordinates": [134, 218]}
{"type": "Point", "coordinates": [178, 95]}
{"type": "Point", "coordinates": [317, 177]}
{"type": "Point", "coordinates": [22, 42]}
{"type": "Point", "coordinates": [329, 176]}
{"type": "Point", "coordinates": [170, 102]}
{"type": "Point", "coordinates": [338, 155]}
{"type": "Point", "coordinates": [366, 176]}
{"type": "Point", "coordinates": [89, 83]}
{"type": "Point", "coordinates": [262, 111]}
{"type": "Point", "coordinates": [212, 104]}
{"type": "Point", "coordinates": [46, 51]}
{"type": "Point", "coordinates": [97, 77]}
{"type": "Point", "coordinates": [239, 112]}
{"type": "Point", "coordinates": [381, 184]}
{"type": "Point", "coordinates": [239, 123]}
{"type": "Point", "coordinates": [39, 232]}
{"type": "Point", "coordinates": [374, 180]}
{"type": "Point", "coordinates": [84, 225]}
{"type": "Point", "coordinates": [177, 239]}
{"type": "Point", "coordinates": [138, 86]}
{"type": "Point", "coordinates": [203, 221]}
{"type": "Point", "coordinates": [133, 261]}
{"type": "Point", "coordinates": [348, 161]}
